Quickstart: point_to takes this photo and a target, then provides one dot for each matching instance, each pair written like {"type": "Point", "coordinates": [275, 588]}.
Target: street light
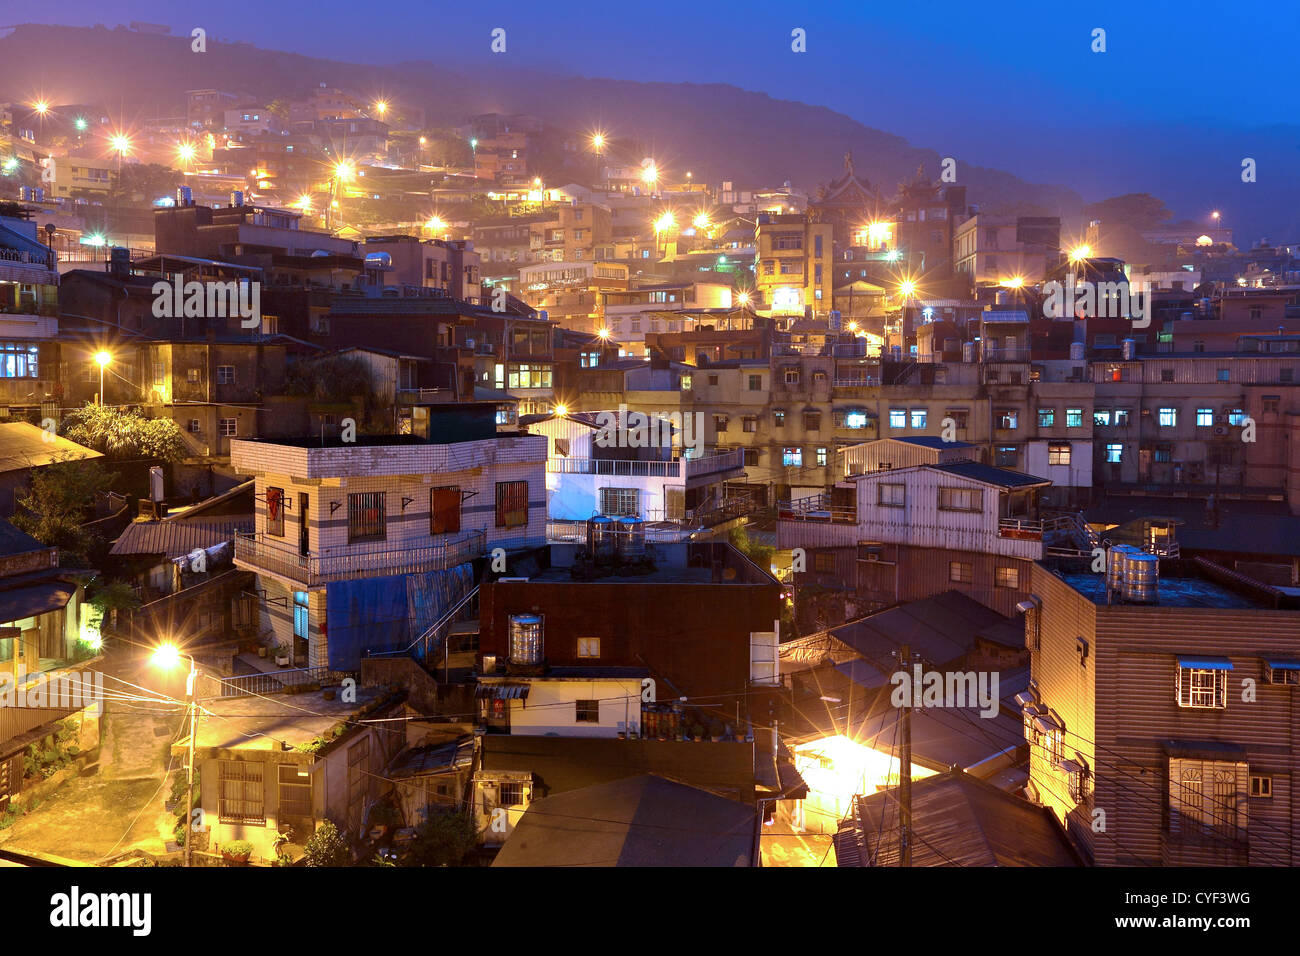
{"type": "Point", "coordinates": [381, 107]}
{"type": "Point", "coordinates": [1080, 252]}
{"type": "Point", "coordinates": [102, 358]}
{"type": "Point", "coordinates": [166, 657]}
{"type": "Point", "coordinates": [120, 144]}
{"type": "Point", "coordinates": [185, 152]}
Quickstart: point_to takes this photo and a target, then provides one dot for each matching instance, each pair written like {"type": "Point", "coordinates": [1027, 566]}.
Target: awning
{"type": "Point", "coordinates": [37, 599]}
{"type": "Point", "coordinates": [1281, 665]}
{"type": "Point", "coordinates": [1206, 663]}
{"type": "Point", "coordinates": [1045, 725]}
{"type": "Point", "coordinates": [502, 691]}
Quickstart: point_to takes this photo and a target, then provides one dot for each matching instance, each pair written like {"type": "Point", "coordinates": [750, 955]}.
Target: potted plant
{"type": "Point", "coordinates": [236, 852]}
{"type": "Point", "coordinates": [261, 650]}
{"type": "Point", "coordinates": [282, 655]}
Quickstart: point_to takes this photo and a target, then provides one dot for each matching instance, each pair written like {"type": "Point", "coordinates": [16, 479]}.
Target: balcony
{"type": "Point", "coordinates": [1022, 529]}
{"type": "Point", "coordinates": [258, 552]}
{"type": "Point", "coordinates": [817, 508]}
{"type": "Point", "coordinates": [693, 467]}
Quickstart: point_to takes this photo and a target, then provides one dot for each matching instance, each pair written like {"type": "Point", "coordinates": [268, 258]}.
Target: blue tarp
{"type": "Point", "coordinates": [379, 615]}
{"type": "Point", "coordinates": [1206, 663]}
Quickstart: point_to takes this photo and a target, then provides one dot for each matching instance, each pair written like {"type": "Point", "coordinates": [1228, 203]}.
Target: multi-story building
{"type": "Point", "coordinates": [660, 307]}
{"type": "Point", "coordinates": [342, 526]}
{"type": "Point", "coordinates": [1159, 716]}
{"type": "Point", "coordinates": [575, 232]}
{"type": "Point", "coordinates": [207, 108]}
{"type": "Point", "coordinates": [794, 263]}
{"type": "Point", "coordinates": [448, 264]}
{"type": "Point", "coordinates": [992, 249]}
{"type": "Point", "coordinates": [570, 292]}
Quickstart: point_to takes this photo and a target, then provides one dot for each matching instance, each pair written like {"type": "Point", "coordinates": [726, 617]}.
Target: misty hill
{"type": "Point", "coordinates": [716, 130]}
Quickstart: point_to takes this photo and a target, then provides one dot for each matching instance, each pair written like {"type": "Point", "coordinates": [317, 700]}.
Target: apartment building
{"type": "Point", "coordinates": [993, 249]}
{"type": "Point", "coordinates": [659, 307]}
{"type": "Point", "coordinates": [574, 232]}
{"type": "Point", "coordinates": [358, 544]}
{"type": "Point", "coordinates": [448, 264]}
{"type": "Point", "coordinates": [570, 292]}
{"type": "Point", "coordinates": [793, 263]}
{"type": "Point", "coordinates": [901, 534]}
{"type": "Point", "coordinates": [1160, 715]}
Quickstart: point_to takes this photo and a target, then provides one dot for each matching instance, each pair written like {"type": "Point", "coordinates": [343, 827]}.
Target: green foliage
{"type": "Point", "coordinates": [445, 838]}
{"type": "Point", "coordinates": [145, 182]}
{"type": "Point", "coordinates": [114, 596]}
{"type": "Point", "coordinates": [125, 433]}
{"type": "Point", "coordinates": [760, 554]}
{"type": "Point", "coordinates": [326, 847]}
{"type": "Point", "coordinates": [332, 378]}
{"type": "Point", "coordinates": [1141, 211]}
{"type": "Point", "coordinates": [237, 848]}
{"type": "Point", "coordinates": [56, 504]}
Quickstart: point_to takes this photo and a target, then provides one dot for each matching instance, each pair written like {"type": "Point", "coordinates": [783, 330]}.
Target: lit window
{"type": "Point", "coordinates": [1046, 417]}
{"type": "Point", "coordinates": [821, 456]}
{"type": "Point", "coordinates": [1203, 684]}
{"type": "Point", "coordinates": [589, 647]}
{"type": "Point", "coordinates": [1074, 418]}
{"type": "Point", "coordinates": [1168, 417]}
{"type": "Point", "coordinates": [898, 418]}
{"type": "Point", "coordinates": [960, 572]}
{"type": "Point", "coordinates": [1006, 577]}
{"type": "Point", "coordinates": [1204, 417]}
{"type": "Point", "coordinates": [587, 711]}
{"type": "Point", "coordinates": [1115, 453]}
{"type": "Point", "coordinates": [1008, 419]}
{"type": "Point", "coordinates": [918, 417]}
{"type": "Point", "coordinates": [792, 457]}
{"type": "Point", "coordinates": [1100, 417]}
{"type": "Point", "coordinates": [1058, 454]}
{"type": "Point", "coordinates": [1122, 417]}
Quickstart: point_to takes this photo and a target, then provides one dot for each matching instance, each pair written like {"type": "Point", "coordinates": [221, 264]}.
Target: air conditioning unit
{"type": "Point", "coordinates": [1221, 430]}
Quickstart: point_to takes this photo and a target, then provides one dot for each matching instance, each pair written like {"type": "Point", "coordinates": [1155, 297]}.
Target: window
{"type": "Point", "coordinates": [192, 376]}
{"type": "Point", "coordinates": [295, 790]}
{"type": "Point", "coordinates": [193, 426]}
{"type": "Point", "coordinates": [227, 427]}
{"type": "Point", "coordinates": [778, 419]}
{"type": "Point", "coordinates": [719, 423]}
{"type": "Point", "coordinates": [1261, 786]}
{"type": "Point", "coordinates": [1046, 417]}
{"type": "Point", "coordinates": [792, 457]}
{"type": "Point", "coordinates": [587, 711]}
{"type": "Point", "coordinates": [855, 420]}
{"type": "Point", "coordinates": [824, 562]}
{"type": "Point", "coordinates": [959, 417]}
{"type": "Point", "coordinates": [1006, 456]}
{"type": "Point", "coordinates": [713, 380]}
{"type": "Point", "coordinates": [1207, 794]}
{"type": "Point", "coordinates": [1100, 417]}
{"type": "Point", "coordinates": [1166, 375]}
{"type": "Point", "coordinates": [444, 509]}
{"type": "Point", "coordinates": [1058, 453]}
{"type": "Point", "coordinates": [366, 513]}
{"type": "Point", "coordinates": [275, 511]}
{"type": "Point", "coordinates": [589, 647]}
{"type": "Point", "coordinates": [960, 572]}
{"type": "Point", "coordinates": [1006, 577]}
{"type": "Point", "coordinates": [1164, 454]}
{"type": "Point", "coordinates": [1282, 672]}
{"type": "Point", "coordinates": [891, 495]}
{"type": "Point", "coordinates": [301, 615]}
{"type": "Point", "coordinates": [1203, 687]}
{"type": "Point", "coordinates": [1074, 418]}
{"type": "Point", "coordinates": [512, 795]}
{"type": "Point", "coordinates": [1168, 417]}
{"type": "Point", "coordinates": [1286, 375]}
{"type": "Point", "coordinates": [512, 504]}
{"type": "Point", "coordinates": [1122, 417]}
{"type": "Point", "coordinates": [822, 456]}
{"type": "Point", "coordinates": [898, 418]}
{"type": "Point", "coordinates": [1204, 417]}
{"type": "Point", "coordinates": [1115, 453]}
{"type": "Point", "coordinates": [619, 502]}
{"type": "Point", "coordinates": [918, 417]}
{"type": "Point", "coordinates": [1008, 419]}
{"type": "Point", "coordinates": [241, 795]}
{"type": "Point", "coordinates": [959, 499]}
{"type": "Point", "coordinates": [225, 375]}
{"type": "Point", "coordinates": [1236, 417]}
{"type": "Point", "coordinates": [20, 360]}
{"type": "Point", "coordinates": [812, 421]}
{"type": "Point", "coordinates": [755, 383]}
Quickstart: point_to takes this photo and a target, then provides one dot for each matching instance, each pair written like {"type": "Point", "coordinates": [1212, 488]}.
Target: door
{"type": "Point", "coordinates": [304, 531]}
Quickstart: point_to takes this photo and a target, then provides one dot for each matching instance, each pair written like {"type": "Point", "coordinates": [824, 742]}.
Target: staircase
{"type": "Point", "coordinates": [1069, 533]}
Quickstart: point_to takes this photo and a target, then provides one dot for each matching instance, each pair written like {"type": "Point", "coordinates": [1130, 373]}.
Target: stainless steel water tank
{"type": "Point", "coordinates": [525, 639]}
{"type": "Point", "coordinates": [1128, 350]}
{"type": "Point", "coordinates": [631, 539]}
{"type": "Point", "coordinates": [1141, 578]}
{"type": "Point", "coordinates": [601, 539]}
{"type": "Point", "coordinates": [1116, 566]}
{"type": "Point", "coordinates": [1076, 351]}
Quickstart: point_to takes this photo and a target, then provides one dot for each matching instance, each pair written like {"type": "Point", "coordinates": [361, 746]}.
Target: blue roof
{"type": "Point", "coordinates": [932, 441]}
{"type": "Point", "coordinates": [990, 475]}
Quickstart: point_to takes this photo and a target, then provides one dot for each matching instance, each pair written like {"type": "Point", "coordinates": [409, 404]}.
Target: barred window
{"type": "Point", "coordinates": [512, 504]}
{"type": "Point", "coordinates": [618, 502]}
{"type": "Point", "coordinates": [241, 792]}
{"type": "Point", "coordinates": [18, 360]}
{"type": "Point", "coordinates": [366, 516]}
{"type": "Point", "coordinates": [295, 791]}
{"type": "Point", "coordinates": [1202, 688]}
{"type": "Point", "coordinates": [512, 795]}
{"type": "Point", "coordinates": [587, 711]}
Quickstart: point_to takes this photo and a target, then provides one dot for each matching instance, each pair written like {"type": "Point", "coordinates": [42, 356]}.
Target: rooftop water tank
{"type": "Point", "coordinates": [1076, 351]}
{"type": "Point", "coordinates": [601, 539]}
{"type": "Point", "coordinates": [1128, 349]}
{"type": "Point", "coordinates": [631, 539]}
{"type": "Point", "coordinates": [1141, 578]}
{"type": "Point", "coordinates": [525, 639]}
{"type": "Point", "coordinates": [1116, 566]}
{"type": "Point", "coordinates": [184, 196]}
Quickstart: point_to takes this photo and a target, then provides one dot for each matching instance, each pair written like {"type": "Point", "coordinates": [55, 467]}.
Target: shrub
{"type": "Point", "coordinates": [326, 847]}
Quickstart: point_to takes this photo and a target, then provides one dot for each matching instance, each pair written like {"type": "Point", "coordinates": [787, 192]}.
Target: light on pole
{"type": "Point", "coordinates": [166, 657]}
{"type": "Point", "coordinates": [102, 359]}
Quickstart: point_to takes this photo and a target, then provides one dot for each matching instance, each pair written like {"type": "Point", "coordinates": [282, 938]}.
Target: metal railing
{"type": "Point", "coordinates": [272, 682]}
{"type": "Point", "coordinates": [257, 551]}
{"type": "Point", "coordinates": [1029, 529]}
{"type": "Point", "coordinates": [864, 382]}
{"type": "Point", "coordinates": [817, 508]}
{"type": "Point", "coordinates": [726, 461]}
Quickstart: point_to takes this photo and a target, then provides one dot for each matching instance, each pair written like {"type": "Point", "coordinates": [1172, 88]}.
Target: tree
{"type": "Point", "coordinates": [326, 847]}
{"type": "Point", "coordinates": [445, 838]}
{"type": "Point", "coordinates": [145, 182]}
{"type": "Point", "coordinates": [125, 433]}
{"type": "Point", "coordinates": [1141, 211]}
{"type": "Point", "coordinates": [53, 509]}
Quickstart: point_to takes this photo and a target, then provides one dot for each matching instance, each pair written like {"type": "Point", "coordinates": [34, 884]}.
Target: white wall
{"type": "Point", "coordinates": [551, 708]}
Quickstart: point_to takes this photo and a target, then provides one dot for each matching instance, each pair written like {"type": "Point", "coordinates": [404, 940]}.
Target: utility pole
{"type": "Point", "coordinates": [189, 790]}
{"type": "Point", "coordinates": [905, 766]}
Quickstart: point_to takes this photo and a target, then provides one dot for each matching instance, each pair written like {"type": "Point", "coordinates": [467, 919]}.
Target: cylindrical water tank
{"type": "Point", "coordinates": [525, 639]}
{"type": "Point", "coordinates": [1128, 349]}
{"type": "Point", "coordinates": [1116, 566]}
{"type": "Point", "coordinates": [1076, 351]}
{"type": "Point", "coordinates": [184, 196]}
{"type": "Point", "coordinates": [631, 539]}
{"type": "Point", "coordinates": [1141, 578]}
{"type": "Point", "coordinates": [237, 197]}
{"type": "Point", "coordinates": [600, 539]}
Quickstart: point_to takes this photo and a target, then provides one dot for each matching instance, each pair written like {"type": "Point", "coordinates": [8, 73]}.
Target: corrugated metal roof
{"type": "Point", "coordinates": [990, 475]}
{"type": "Point", "coordinates": [173, 539]}
{"type": "Point", "coordinates": [23, 445]}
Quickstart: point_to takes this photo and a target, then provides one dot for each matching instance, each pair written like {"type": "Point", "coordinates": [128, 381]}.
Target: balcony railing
{"type": "Point", "coordinates": [817, 508]}
{"type": "Point", "coordinates": [864, 382]}
{"type": "Point", "coordinates": [260, 553]}
{"type": "Point", "coordinates": [1024, 529]}
{"type": "Point", "coordinates": [695, 467]}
